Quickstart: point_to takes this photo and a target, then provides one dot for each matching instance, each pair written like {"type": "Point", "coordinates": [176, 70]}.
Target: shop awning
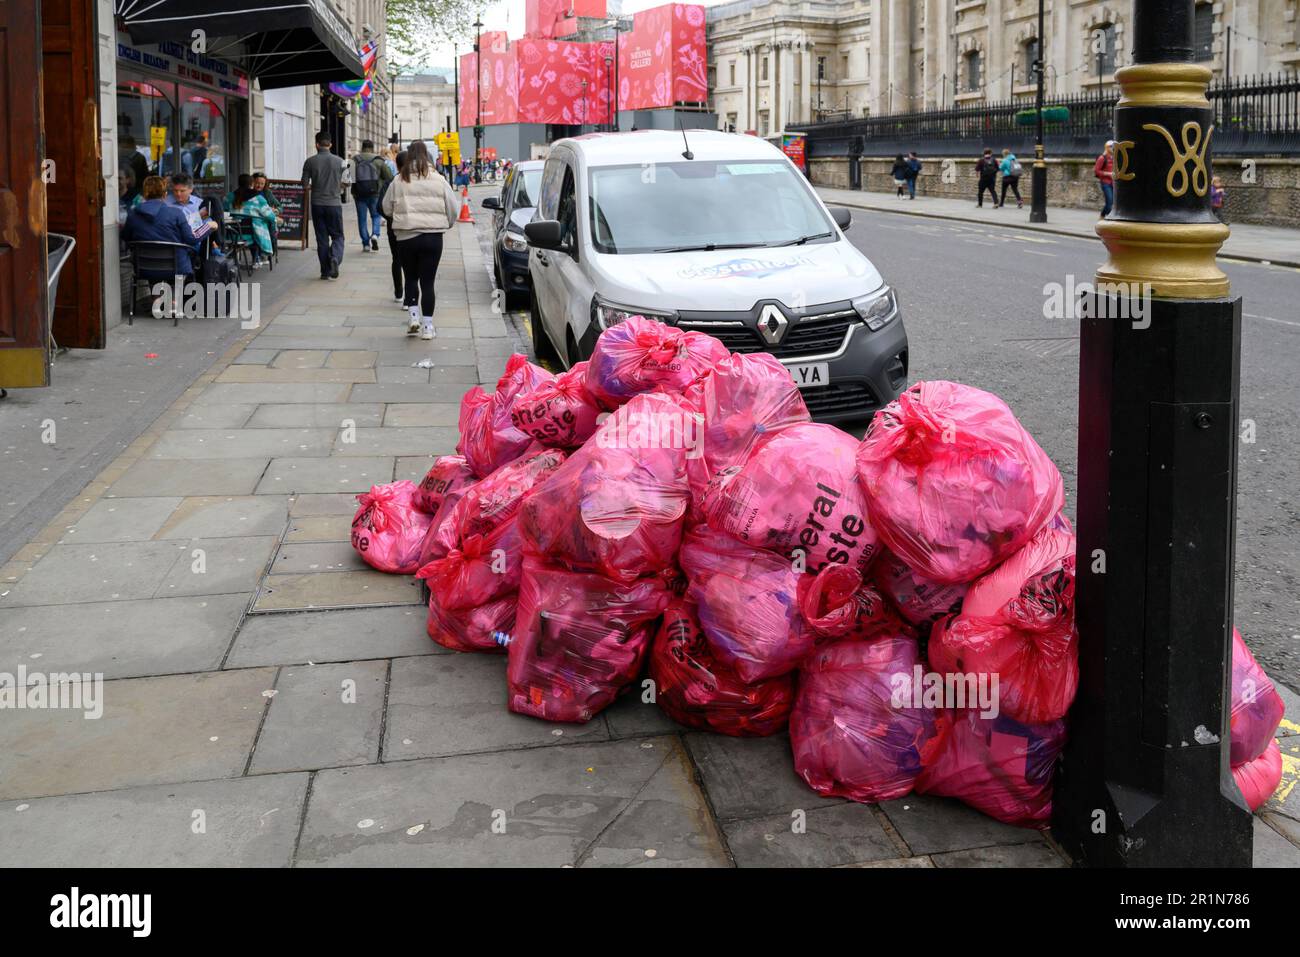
{"type": "Point", "coordinates": [281, 42]}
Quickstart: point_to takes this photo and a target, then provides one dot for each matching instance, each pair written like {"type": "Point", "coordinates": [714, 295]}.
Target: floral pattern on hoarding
{"type": "Point", "coordinates": [662, 59]}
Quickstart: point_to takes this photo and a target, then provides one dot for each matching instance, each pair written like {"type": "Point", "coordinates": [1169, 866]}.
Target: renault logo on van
{"type": "Point", "coordinates": [772, 323]}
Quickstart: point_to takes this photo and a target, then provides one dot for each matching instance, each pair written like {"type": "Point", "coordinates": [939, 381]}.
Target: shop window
{"type": "Point", "coordinates": [203, 142]}
{"type": "Point", "coordinates": [145, 133]}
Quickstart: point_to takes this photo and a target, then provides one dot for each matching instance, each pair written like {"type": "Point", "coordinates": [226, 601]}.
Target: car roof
{"type": "Point", "coordinates": [530, 164]}
{"type": "Point", "coordinates": [646, 146]}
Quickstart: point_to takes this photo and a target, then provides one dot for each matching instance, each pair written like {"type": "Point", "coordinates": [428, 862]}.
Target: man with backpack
{"type": "Point", "coordinates": [1011, 170]}
{"type": "Point", "coordinates": [369, 174]}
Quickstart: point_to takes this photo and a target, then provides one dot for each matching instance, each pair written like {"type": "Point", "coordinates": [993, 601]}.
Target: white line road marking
{"type": "Point", "coordinates": [1284, 322]}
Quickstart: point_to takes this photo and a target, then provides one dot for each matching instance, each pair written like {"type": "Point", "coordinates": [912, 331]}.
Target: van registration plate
{"type": "Point", "coordinates": [808, 375]}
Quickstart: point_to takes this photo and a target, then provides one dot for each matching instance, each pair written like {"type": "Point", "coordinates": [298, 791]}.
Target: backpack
{"type": "Point", "coordinates": [366, 182]}
{"type": "Point", "coordinates": [1015, 168]}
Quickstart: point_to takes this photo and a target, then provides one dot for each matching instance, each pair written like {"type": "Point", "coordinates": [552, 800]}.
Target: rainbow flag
{"type": "Point", "coordinates": [362, 88]}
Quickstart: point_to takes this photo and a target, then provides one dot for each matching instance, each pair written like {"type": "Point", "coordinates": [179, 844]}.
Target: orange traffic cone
{"type": "Point", "coordinates": [465, 216]}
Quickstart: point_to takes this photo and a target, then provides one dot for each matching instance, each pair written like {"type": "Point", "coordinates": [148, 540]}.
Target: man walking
{"type": "Point", "coordinates": [913, 171]}
{"type": "Point", "coordinates": [323, 175]}
{"type": "Point", "coordinates": [370, 173]}
{"type": "Point", "coordinates": [986, 167]}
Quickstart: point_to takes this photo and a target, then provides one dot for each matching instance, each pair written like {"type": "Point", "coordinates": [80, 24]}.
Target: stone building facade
{"type": "Point", "coordinates": [423, 104]}
{"type": "Point", "coordinates": [773, 63]}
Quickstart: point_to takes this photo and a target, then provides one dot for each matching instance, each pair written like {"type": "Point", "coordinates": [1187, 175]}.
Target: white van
{"type": "Point", "coordinates": [716, 232]}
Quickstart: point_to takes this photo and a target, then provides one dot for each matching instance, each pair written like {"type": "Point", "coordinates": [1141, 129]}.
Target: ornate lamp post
{"type": "Point", "coordinates": [1038, 181]}
{"type": "Point", "coordinates": [478, 86]}
{"type": "Point", "coordinates": [1145, 777]}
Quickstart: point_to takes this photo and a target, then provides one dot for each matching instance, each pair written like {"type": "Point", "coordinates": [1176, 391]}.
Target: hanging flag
{"type": "Point", "coordinates": [362, 88]}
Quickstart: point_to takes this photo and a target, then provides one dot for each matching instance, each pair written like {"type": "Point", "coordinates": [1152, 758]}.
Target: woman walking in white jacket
{"type": "Point", "coordinates": [422, 206]}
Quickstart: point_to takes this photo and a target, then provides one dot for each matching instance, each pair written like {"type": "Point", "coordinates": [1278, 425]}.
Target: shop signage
{"type": "Point", "coordinates": [293, 208]}
{"type": "Point", "coordinates": [177, 60]}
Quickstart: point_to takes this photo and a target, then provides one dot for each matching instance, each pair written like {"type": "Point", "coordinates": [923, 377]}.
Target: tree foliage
{"type": "Point", "coordinates": [417, 28]}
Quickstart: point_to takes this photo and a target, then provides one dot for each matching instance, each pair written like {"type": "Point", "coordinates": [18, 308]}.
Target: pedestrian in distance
{"type": "Point", "coordinates": [986, 168]}
{"type": "Point", "coordinates": [422, 207]}
{"type": "Point", "coordinates": [369, 175]}
{"type": "Point", "coordinates": [913, 171]}
{"type": "Point", "coordinates": [323, 175]}
{"type": "Point", "coordinates": [1218, 196]}
{"type": "Point", "coordinates": [399, 284]}
{"type": "Point", "coordinates": [899, 172]}
{"type": "Point", "coordinates": [1104, 170]}
{"type": "Point", "coordinates": [1011, 170]}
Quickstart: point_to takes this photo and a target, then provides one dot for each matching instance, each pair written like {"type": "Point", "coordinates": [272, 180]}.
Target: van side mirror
{"type": "Point", "coordinates": [491, 202]}
{"type": "Point", "coordinates": [842, 215]}
{"type": "Point", "coordinates": [545, 234]}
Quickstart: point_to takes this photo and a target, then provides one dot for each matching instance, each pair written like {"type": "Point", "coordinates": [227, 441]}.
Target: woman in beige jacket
{"type": "Point", "coordinates": [421, 206]}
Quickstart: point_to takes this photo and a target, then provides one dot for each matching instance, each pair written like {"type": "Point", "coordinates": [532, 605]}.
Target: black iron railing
{"type": "Point", "coordinates": [1259, 116]}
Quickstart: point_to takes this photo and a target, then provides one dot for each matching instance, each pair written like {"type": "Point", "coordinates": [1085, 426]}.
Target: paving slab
{"type": "Point", "coordinates": [933, 825]}
{"type": "Point", "coordinates": [255, 357]}
{"type": "Point", "coordinates": [751, 777]}
{"type": "Point", "coordinates": [463, 376]}
{"type": "Point", "coordinates": [456, 704]}
{"type": "Point", "coordinates": [122, 639]}
{"type": "Point", "coordinates": [453, 354]}
{"type": "Point", "coordinates": [897, 862]}
{"type": "Point", "coordinates": [121, 520]}
{"type": "Point", "coordinates": [352, 359]}
{"type": "Point", "coordinates": [300, 359]}
{"type": "Point", "coordinates": [406, 393]}
{"type": "Point", "coordinates": [1037, 854]}
{"type": "Point", "coordinates": [1272, 849]}
{"type": "Point", "coordinates": [343, 474]}
{"type": "Point", "coordinates": [403, 375]}
{"type": "Point", "coordinates": [249, 443]}
{"type": "Point", "coordinates": [325, 416]}
{"type": "Point", "coordinates": [319, 528]}
{"type": "Point", "coordinates": [398, 441]}
{"type": "Point", "coordinates": [108, 571]}
{"type": "Point", "coordinates": [300, 559]}
{"type": "Point", "coordinates": [422, 415]}
{"type": "Point", "coordinates": [265, 374]}
{"type": "Point", "coordinates": [821, 837]}
{"type": "Point", "coordinates": [239, 393]}
{"type": "Point", "coordinates": [329, 503]}
{"type": "Point", "coordinates": [187, 477]}
{"type": "Point", "coordinates": [556, 806]}
{"type": "Point", "coordinates": [335, 590]}
{"type": "Point", "coordinates": [226, 516]}
{"type": "Point", "coordinates": [215, 417]}
{"type": "Point", "coordinates": [153, 731]}
{"type": "Point", "coordinates": [631, 715]}
{"type": "Point", "coordinates": [348, 635]}
{"type": "Point", "coordinates": [219, 566]}
{"type": "Point", "coordinates": [323, 716]}
{"type": "Point", "coordinates": [246, 822]}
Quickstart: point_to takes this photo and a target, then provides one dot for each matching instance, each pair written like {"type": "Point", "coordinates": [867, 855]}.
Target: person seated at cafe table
{"type": "Point", "coordinates": [262, 185]}
{"type": "Point", "coordinates": [245, 201]}
{"type": "Point", "coordinates": [156, 220]}
{"type": "Point", "coordinates": [197, 210]}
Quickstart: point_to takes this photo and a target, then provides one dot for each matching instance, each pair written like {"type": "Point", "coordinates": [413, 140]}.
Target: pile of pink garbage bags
{"type": "Point", "coordinates": [667, 511]}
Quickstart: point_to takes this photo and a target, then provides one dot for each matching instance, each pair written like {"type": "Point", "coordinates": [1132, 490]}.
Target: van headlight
{"type": "Point", "coordinates": [515, 242]}
{"type": "Point", "coordinates": [609, 314]}
{"type": "Point", "coordinates": [878, 309]}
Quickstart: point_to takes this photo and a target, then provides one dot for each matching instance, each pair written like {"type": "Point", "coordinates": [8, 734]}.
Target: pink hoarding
{"type": "Point", "coordinates": [499, 81]}
{"type": "Point", "coordinates": [562, 82]}
{"type": "Point", "coordinates": [662, 59]}
{"type": "Point", "coordinates": [548, 19]}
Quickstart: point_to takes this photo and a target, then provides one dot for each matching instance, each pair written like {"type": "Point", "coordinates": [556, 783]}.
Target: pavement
{"type": "Point", "coordinates": [1264, 244]}
{"type": "Point", "coordinates": [268, 700]}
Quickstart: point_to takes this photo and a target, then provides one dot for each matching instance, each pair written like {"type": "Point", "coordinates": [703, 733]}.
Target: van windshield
{"type": "Point", "coordinates": [696, 204]}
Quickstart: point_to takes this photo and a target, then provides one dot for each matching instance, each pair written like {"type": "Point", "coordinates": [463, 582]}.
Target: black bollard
{"type": "Point", "coordinates": [1145, 780]}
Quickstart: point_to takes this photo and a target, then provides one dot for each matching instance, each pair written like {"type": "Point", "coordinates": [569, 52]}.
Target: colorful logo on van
{"type": "Point", "coordinates": [747, 267]}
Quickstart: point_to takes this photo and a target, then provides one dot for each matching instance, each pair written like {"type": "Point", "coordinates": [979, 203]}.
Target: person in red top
{"type": "Point", "coordinates": [1104, 170]}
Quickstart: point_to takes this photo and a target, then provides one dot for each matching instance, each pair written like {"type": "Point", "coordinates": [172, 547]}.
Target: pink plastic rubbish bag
{"type": "Point", "coordinates": [953, 482]}
{"type": "Point", "coordinates": [473, 589]}
{"type": "Point", "coordinates": [579, 639]}
{"type": "Point", "coordinates": [748, 601]}
{"type": "Point", "coordinates": [560, 413]}
{"type": "Point", "coordinates": [838, 604]}
{"type": "Point", "coordinates": [695, 689]}
{"type": "Point", "coordinates": [473, 629]}
{"type": "Point", "coordinates": [996, 765]}
{"type": "Point", "coordinates": [797, 495]}
{"type": "Point", "coordinates": [641, 355]}
{"type": "Point", "coordinates": [431, 547]}
{"type": "Point", "coordinates": [1259, 777]}
{"type": "Point", "coordinates": [1257, 708]}
{"type": "Point", "coordinates": [740, 400]}
{"type": "Point", "coordinates": [920, 601]}
{"type": "Point", "coordinates": [853, 733]}
{"type": "Point", "coordinates": [617, 506]}
{"type": "Point", "coordinates": [387, 529]}
{"type": "Point", "coordinates": [448, 475]}
{"type": "Point", "coordinates": [1017, 622]}
{"type": "Point", "coordinates": [488, 439]}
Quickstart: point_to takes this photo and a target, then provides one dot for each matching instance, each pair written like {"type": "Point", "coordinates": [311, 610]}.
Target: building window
{"type": "Point", "coordinates": [1203, 31]}
{"type": "Point", "coordinates": [973, 68]}
{"type": "Point", "coordinates": [733, 72]}
{"type": "Point", "coordinates": [731, 122]}
{"type": "Point", "coordinates": [1103, 48]}
{"type": "Point", "coordinates": [762, 70]}
{"type": "Point", "coordinates": [821, 68]}
{"type": "Point", "coordinates": [844, 67]}
{"type": "Point", "coordinates": [1031, 54]}
{"type": "Point", "coordinates": [763, 128]}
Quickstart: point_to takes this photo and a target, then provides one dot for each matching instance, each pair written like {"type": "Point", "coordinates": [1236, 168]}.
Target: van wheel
{"type": "Point", "coordinates": [543, 350]}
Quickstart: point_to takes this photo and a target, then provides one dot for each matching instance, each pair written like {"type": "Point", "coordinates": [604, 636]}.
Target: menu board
{"type": "Point", "coordinates": [294, 199]}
